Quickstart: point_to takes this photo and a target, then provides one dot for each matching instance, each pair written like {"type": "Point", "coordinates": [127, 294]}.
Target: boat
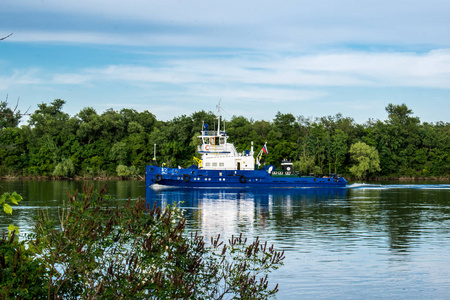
{"type": "Point", "coordinates": [222, 166]}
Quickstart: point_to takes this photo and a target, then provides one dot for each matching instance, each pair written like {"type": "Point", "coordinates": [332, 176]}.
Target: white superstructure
{"type": "Point", "coordinates": [218, 154]}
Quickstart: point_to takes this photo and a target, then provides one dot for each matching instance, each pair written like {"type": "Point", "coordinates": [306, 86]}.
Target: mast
{"type": "Point", "coordinates": [218, 118]}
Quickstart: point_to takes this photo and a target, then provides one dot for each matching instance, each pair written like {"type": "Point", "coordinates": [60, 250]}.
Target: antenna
{"type": "Point", "coordinates": [218, 117]}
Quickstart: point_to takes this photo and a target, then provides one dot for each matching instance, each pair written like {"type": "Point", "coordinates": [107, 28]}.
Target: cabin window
{"type": "Point", "coordinates": [214, 164]}
{"type": "Point", "coordinates": [221, 164]}
{"type": "Point", "coordinates": [208, 164]}
{"type": "Point", "coordinates": [206, 140]}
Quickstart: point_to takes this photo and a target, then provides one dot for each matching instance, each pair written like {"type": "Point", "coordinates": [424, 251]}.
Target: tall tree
{"type": "Point", "coordinates": [8, 117]}
{"type": "Point", "coordinates": [399, 139]}
{"type": "Point", "coordinates": [366, 160]}
{"type": "Point", "coordinates": [338, 150]}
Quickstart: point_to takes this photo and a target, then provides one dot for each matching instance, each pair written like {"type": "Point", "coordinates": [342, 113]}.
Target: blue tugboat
{"type": "Point", "coordinates": [222, 166]}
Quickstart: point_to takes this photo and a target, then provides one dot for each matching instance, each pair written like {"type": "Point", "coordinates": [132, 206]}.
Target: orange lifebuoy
{"type": "Point", "coordinates": [207, 147]}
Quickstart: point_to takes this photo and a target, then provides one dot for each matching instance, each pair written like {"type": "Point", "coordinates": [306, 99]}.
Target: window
{"type": "Point", "coordinates": [214, 164]}
{"type": "Point", "coordinates": [208, 164]}
{"type": "Point", "coordinates": [221, 164]}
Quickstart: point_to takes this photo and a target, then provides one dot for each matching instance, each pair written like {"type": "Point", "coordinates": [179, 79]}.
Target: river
{"type": "Point", "coordinates": [367, 241]}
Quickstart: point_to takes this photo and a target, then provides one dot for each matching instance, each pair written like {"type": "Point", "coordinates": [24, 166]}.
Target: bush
{"type": "Point", "coordinates": [22, 275]}
{"type": "Point", "coordinates": [126, 172]}
{"type": "Point", "coordinates": [64, 169]}
{"type": "Point", "coordinates": [99, 250]}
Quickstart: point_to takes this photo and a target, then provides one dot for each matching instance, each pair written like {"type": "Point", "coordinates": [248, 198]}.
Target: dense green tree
{"type": "Point", "coordinates": [319, 141]}
{"type": "Point", "coordinates": [240, 131]}
{"type": "Point", "coordinates": [366, 160]}
{"type": "Point", "coordinates": [399, 137]}
{"type": "Point", "coordinates": [48, 134]}
{"type": "Point", "coordinates": [49, 119]}
{"type": "Point", "coordinates": [119, 152]}
{"type": "Point", "coordinates": [338, 150]}
{"type": "Point", "coordinates": [90, 125]}
{"type": "Point", "coordinates": [97, 144]}
{"type": "Point", "coordinates": [8, 117]}
{"type": "Point", "coordinates": [304, 165]}
{"type": "Point", "coordinates": [286, 124]}
{"type": "Point", "coordinates": [13, 155]}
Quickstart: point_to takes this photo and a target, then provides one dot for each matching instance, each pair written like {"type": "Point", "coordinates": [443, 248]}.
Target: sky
{"type": "Point", "coordinates": [310, 58]}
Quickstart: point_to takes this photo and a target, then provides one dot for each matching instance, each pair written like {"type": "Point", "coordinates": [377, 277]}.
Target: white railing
{"type": "Point", "coordinates": [209, 133]}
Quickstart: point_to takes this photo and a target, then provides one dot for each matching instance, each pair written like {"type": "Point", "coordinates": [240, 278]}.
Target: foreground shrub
{"type": "Point", "coordinates": [100, 250]}
{"type": "Point", "coordinates": [22, 275]}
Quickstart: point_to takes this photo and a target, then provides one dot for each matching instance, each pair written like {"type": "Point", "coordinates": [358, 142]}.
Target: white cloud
{"type": "Point", "coordinates": [430, 70]}
{"type": "Point", "coordinates": [20, 77]}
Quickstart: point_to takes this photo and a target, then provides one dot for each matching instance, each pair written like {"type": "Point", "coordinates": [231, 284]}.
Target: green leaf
{"type": "Point", "coordinates": [7, 208]}
{"type": "Point", "coordinates": [16, 198]}
{"type": "Point", "coordinates": [11, 228]}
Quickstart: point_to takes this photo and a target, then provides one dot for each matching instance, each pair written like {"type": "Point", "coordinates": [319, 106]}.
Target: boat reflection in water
{"type": "Point", "coordinates": [231, 211]}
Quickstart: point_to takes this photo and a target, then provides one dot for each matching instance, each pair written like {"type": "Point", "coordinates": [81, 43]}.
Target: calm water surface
{"type": "Point", "coordinates": [363, 242]}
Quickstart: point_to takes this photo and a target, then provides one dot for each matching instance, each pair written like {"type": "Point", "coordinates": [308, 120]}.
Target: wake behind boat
{"type": "Point", "coordinates": [222, 166]}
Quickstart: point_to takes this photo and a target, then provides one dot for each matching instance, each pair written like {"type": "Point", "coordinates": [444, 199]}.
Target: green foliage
{"type": "Point", "coordinates": [5, 201]}
{"type": "Point", "coordinates": [64, 168]}
{"type": "Point", "coordinates": [366, 158]}
{"type": "Point", "coordinates": [9, 118]}
{"type": "Point", "coordinates": [126, 172]}
{"type": "Point", "coordinates": [305, 165]}
{"type": "Point", "coordinates": [22, 274]}
{"type": "Point", "coordinates": [9, 198]}
{"type": "Point", "coordinates": [118, 152]}
{"type": "Point", "coordinates": [99, 250]}
{"type": "Point", "coordinates": [339, 149]}
{"type": "Point", "coordinates": [98, 143]}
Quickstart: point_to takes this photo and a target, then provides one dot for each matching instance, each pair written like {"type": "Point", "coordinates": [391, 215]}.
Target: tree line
{"type": "Point", "coordinates": [121, 143]}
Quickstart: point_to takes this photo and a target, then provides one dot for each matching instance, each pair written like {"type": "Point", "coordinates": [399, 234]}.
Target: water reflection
{"type": "Point", "coordinates": [49, 195]}
{"type": "Point", "coordinates": [258, 196]}
{"type": "Point", "coordinates": [363, 242]}
{"type": "Point", "coordinates": [231, 211]}
{"type": "Point", "coordinates": [391, 217]}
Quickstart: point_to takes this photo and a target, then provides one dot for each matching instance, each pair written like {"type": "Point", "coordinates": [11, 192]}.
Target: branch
{"type": "Point", "coordinates": [14, 113]}
{"type": "Point", "coordinates": [5, 37]}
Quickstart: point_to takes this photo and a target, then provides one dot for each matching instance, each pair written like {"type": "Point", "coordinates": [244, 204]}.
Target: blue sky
{"type": "Point", "coordinates": [175, 57]}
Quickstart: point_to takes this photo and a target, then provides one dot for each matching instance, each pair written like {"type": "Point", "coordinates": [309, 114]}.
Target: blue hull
{"type": "Point", "coordinates": [199, 178]}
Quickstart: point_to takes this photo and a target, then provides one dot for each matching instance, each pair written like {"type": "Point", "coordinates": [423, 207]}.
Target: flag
{"type": "Point", "coordinates": [264, 149]}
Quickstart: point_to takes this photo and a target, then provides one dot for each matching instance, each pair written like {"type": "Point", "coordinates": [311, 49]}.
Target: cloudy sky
{"type": "Point", "coordinates": [173, 57]}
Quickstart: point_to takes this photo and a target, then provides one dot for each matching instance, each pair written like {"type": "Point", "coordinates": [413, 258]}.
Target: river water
{"type": "Point", "coordinates": [385, 241]}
